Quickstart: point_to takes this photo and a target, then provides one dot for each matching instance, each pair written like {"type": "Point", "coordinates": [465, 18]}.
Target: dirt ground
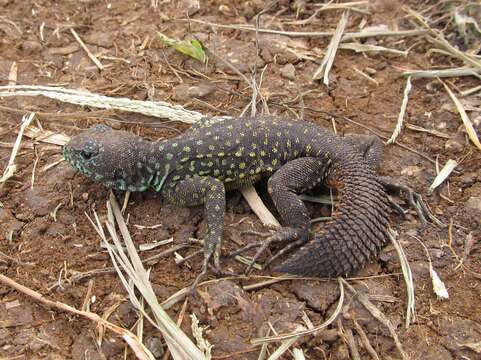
{"type": "Point", "coordinates": [47, 241]}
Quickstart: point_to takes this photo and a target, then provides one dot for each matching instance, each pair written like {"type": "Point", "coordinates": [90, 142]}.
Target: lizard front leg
{"type": "Point", "coordinates": [210, 192]}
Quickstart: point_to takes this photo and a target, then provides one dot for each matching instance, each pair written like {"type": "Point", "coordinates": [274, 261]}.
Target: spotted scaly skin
{"type": "Point", "coordinates": [214, 156]}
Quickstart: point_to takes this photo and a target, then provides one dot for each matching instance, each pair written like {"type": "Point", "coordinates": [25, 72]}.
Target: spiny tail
{"type": "Point", "coordinates": [357, 234]}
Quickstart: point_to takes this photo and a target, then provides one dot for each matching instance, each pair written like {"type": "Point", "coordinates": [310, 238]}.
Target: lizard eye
{"type": "Point", "coordinates": [89, 150]}
{"type": "Point", "coordinates": [86, 154]}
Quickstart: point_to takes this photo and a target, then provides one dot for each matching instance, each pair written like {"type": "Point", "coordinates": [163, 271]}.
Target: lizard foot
{"type": "Point", "coordinates": [205, 266]}
{"type": "Point", "coordinates": [414, 199]}
{"type": "Point", "coordinates": [295, 236]}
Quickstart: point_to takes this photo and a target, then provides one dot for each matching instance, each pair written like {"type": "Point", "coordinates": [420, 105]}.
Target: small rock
{"type": "Point", "coordinates": [190, 7]}
{"type": "Point", "coordinates": [435, 352]}
{"type": "Point", "coordinates": [456, 332]}
{"type": "Point", "coordinates": [221, 294]}
{"type": "Point", "coordinates": [111, 347]}
{"type": "Point", "coordinates": [184, 92]}
{"type": "Point", "coordinates": [100, 38]}
{"type": "Point", "coordinates": [125, 314]}
{"type": "Point", "coordinates": [329, 335]}
{"type": "Point", "coordinates": [84, 348]}
{"type": "Point", "coordinates": [56, 228]}
{"type": "Point", "coordinates": [40, 200]}
{"type": "Point", "coordinates": [238, 53]}
{"type": "Point", "coordinates": [8, 223]}
{"type": "Point", "coordinates": [477, 121]}
{"type": "Point", "coordinates": [454, 146]}
{"type": "Point", "coordinates": [31, 46]}
{"type": "Point", "coordinates": [474, 203]}
{"type": "Point", "coordinates": [15, 316]}
{"type": "Point", "coordinates": [411, 170]}
{"type": "Point", "coordinates": [4, 335]}
{"type": "Point", "coordinates": [468, 179]}
{"type": "Point", "coordinates": [370, 71]}
{"type": "Point", "coordinates": [342, 352]}
{"type": "Point", "coordinates": [85, 196]}
{"type": "Point", "coordinates": [154, 344]}
{"type": "Point", "coordinates": [319, 297]}
{"type": "Point", "coordinates": [419, 269]}
{"type": "Point", "coordinates": [288, 71]}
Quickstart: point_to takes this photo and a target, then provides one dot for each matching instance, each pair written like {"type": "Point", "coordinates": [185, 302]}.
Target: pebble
{"type": "Point", "coordinates": [191, 7]}
{"type": "Point", "coordinates": [154, 344]}
{"type": "Point", "coordinates": [454, 146]}
{"type": "Point", "coordinates": [474, 203]}
{"type": "Point", "coordinates": [288, 71]}
{"type": "Point", "coordinates": [31, 46]}
{"type": "Point", "coordinates": [184, 92]}
{"type": "Point", "coordinates": [8, 223]}
{"type": "Point", "coordinates": [412, 170]}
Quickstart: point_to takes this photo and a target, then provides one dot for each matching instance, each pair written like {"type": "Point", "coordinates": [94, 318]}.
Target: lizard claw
{"type": "Point", "coordinates": [205, 266]}
{"type": "Point", "coordinates": [294, 235]}
{"type": "Point", "coordinates": [414, 199]}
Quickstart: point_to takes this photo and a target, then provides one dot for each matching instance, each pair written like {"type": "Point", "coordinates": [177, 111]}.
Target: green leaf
{"type": "Point", "coordinates": [191, 48]}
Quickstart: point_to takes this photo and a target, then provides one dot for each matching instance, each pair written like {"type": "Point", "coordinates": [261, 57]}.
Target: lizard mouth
{"type": "Point", "coordinates": [82, 160]}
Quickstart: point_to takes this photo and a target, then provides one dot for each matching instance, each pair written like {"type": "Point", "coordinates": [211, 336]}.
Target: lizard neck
{"type": "Point", "coordinates": [162, 160]}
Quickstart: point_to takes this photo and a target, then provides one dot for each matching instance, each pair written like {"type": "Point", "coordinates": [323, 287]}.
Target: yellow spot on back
{"type": "Point", "coordinates": [242, 165]}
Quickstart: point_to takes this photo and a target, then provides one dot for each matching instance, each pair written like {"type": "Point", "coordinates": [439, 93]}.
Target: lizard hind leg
{"type": "Point", "coordinates": [371, 148]}
{"type": "Point", "coordinates": [294, 177]}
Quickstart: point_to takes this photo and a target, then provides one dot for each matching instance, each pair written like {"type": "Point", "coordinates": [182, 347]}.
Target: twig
{"type": "Point", "coordinates": [408, 278]}
{"type": "Point", "coordinates": [346, 36]}
{"type": "Point", "coordinates": [400, 120]}
{"type": "Point", "coordinates": [455, 72]}
{"type": "Point", "coordinates": [329, 321]}
{"type": "Point", "coordinates": [157, 109]}
{"type": "Point", "coordinates": [328, 60]}
{"type": "Point", "coordinates": [439, 40]}
{"type": "Point", "coordinates": [137, 347]}
{"type": "Point", "coordinates": [376, 313]}
{"type": "Point", "coordinates": [11, 167]}
{"type": "Point", "coordinates": [365, 340]}
{"type": "Point", "coordinates": [89, 54]}
{"type": "Point", "coordinates": [468, 125]}
{"type": "Point", "coordinates": [350, 341]}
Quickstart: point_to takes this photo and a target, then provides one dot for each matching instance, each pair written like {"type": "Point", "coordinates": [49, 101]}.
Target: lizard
{"type": "Point", "coordinates": [215, 156]}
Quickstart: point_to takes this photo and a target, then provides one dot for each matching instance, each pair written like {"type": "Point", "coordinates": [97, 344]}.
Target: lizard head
{"type": "Point", "coordinates": [113, 157]}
